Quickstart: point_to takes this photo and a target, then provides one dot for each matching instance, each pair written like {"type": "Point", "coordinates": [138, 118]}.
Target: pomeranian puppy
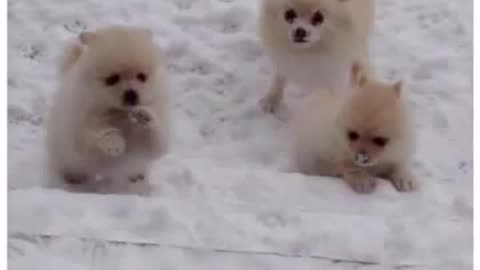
{"type": "Point", "coordinates": [313, 43]}
{"type": "Point", "coordinates": [109, 117]}
{"type": "Point", "coordinates": [359, 136]}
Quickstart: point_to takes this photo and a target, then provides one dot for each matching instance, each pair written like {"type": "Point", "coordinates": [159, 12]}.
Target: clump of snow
{"type": "Point", "coordinates": [225, 193]}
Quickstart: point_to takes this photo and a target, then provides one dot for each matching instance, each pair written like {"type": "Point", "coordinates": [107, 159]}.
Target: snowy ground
{"type": "Point", "coordinates": [224, 198]}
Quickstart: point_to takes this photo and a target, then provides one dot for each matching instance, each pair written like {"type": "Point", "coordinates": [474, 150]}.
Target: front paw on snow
{"type": "Point", "coordinates": [363, 185]}
{"type": "Point", "coordinates": [404, 184]}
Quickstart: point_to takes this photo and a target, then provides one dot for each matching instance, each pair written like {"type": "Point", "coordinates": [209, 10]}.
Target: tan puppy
{"type": "Point", "coordinates": [358, 136]}
{"type": "Point", "coordinates": [313, 42]}
{"type": "Point", "coordinates": [109, 117]}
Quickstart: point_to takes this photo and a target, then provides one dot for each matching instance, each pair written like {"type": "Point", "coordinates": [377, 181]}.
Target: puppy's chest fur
{"type": "Point", "coordinates": [313, 71]}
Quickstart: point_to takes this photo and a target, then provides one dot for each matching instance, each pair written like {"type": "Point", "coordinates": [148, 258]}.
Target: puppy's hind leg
{"type": "Point", "coordinates": [272, 100]}
{"type": "Point", "coordinates": [135, 178]}
{"type": "Point", "coordinates": [75, 178]}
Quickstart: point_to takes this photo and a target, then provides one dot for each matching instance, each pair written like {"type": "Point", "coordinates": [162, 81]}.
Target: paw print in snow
{"type": "Point", "coordinates": [232, 20]}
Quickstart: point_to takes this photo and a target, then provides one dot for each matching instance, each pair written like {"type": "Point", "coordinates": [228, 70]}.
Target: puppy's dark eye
{"type": "Point", "coordinates": [352, 135]}
{"type": "Point", "coordinates": [142, 77]}
{"type": "Point", "coordinates": [317, 18]}
{"type": "Point", "coordinates": [112, 79]}
{"type": "Point", "coordinates": [290, 15]}
{"type": "Point", "coordinates": [380, 141]}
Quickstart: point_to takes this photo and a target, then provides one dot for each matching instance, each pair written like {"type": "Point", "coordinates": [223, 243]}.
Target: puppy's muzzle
{"type": "Point", "coordinates": [130, 98]}
{"type": "Point", "coordinates": [362, 159]}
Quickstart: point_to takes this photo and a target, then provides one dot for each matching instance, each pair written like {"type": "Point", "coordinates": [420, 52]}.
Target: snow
{"type": "Point", "coordinates": [225, 196]}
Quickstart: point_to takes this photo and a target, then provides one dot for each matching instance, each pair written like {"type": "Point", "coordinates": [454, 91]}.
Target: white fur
{"type": "Point", "coordinates": [78, 140]}
{"type": "Point", "coordinates": [324, 61]}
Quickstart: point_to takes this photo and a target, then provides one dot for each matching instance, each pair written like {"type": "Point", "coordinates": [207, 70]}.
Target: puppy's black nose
{"type": "Point", "coordinates": [130, 97]}
{"type": "Point", "coordinates": [300, 34]}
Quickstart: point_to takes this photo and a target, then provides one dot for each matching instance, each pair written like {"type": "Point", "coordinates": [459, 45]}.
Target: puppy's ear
{"type": "Point", "coordinates": [272, 7]}
{"type": "Point", "coordinates": [358, 76]}
{"type": "Point", "coordinates": [87, 37]}
{"type": "Point", "coordinates": [398, 88]}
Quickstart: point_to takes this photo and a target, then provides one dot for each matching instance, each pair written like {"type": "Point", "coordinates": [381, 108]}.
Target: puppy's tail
{"type": "Point", "coordinates": [71, 53]}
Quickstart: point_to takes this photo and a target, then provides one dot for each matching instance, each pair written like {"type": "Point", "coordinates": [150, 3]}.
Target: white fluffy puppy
{"type": "Point", "coordinates": [313, 42]}
{"type": "Point", "coordinates": [109, 117]}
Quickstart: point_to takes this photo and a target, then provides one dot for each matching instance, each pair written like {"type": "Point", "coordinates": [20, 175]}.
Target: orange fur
{"type": "Point", "coordinates": [323, 59]}
{"type": "Point", "coordinates": [375, 111]}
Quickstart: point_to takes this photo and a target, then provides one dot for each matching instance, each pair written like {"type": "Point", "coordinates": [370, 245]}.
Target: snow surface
{"type": "Point", "coordinates": [225, 197]}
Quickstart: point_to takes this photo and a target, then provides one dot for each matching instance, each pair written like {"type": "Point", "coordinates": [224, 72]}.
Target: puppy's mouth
{"type": "Point", "coordinates": [300, 40]}
{"type": "Point", "coordinates": [365, 165]}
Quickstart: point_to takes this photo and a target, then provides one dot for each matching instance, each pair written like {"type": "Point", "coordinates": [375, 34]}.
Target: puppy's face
{"type": "Point", "coordinates": [305, 23]}
{"type": "Point", "coordinates": [372, 122]}
{"type": "Point", "coordinates": [120, 64]}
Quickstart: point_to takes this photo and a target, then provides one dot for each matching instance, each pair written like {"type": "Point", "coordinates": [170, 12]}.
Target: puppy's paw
{"type": "Point", "coordinates": [141, 116]}
{"type": "Point", "coordinates": [270, 103]}
{"type": "Point", "coordinates": [111, 142]}
{"type": "Point", "coordinates": [404, 182]}
{"type": "Point", "coordinates": [363, 183]}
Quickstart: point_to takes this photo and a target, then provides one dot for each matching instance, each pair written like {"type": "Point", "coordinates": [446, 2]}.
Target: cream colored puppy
{"type": "Point", "coordinates": [313, 42]}
{"type": "Point", "coordinates": [109, 117]}
{"type": "Point", "coordinates": [359, 136]}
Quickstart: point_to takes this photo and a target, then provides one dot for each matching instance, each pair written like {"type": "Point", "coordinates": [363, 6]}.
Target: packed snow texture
{"type": "Point", "coordinates": [225, 196]}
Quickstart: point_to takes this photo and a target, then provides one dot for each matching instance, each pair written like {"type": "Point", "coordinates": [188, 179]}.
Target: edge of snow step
{"type": "Point", "coordinates": [165, 223]}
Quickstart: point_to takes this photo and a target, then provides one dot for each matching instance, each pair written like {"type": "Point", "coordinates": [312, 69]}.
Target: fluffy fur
{"type": "Point", "coordinates": [359, 136]}
{"type": "Point", "coordinates": [335, 32]}
{"type": "Point", "coordinates": [95, 131]}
